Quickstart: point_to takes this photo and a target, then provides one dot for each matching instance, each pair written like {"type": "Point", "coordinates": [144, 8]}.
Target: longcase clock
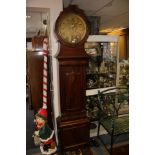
{"type": "Point", "coordinates": [72, 30]}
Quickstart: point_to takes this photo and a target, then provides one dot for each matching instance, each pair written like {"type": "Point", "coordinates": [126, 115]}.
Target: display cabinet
{"type": "Point", "coordinates": [103, 61]}
{"type": "Point", "coordinates": [102, 70]}
{"type": "Point", "coordinates": [123, 73]}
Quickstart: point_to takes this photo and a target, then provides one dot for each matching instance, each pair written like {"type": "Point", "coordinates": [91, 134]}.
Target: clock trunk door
{"type": "Point", "coordinates": [72, 86]}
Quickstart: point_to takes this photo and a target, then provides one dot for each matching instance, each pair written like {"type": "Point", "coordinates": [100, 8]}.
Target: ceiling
{"type": "Point", "coordinates": [34, 20]}
{"type": "Point", "coordinates": [114, 14]}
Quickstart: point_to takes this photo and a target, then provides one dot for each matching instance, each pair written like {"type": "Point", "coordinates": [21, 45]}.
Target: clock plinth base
{"type": "Point", "coordinates": [73, 134]}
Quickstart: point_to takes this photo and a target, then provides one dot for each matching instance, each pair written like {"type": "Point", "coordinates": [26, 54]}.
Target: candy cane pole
{"type": "Point", "coordinates": [44, 135]}
{"type": "Point", "coordinates": [45, 79]}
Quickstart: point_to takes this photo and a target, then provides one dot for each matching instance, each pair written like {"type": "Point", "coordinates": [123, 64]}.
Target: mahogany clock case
{"type": "Point", "coordinates": [73, 124]}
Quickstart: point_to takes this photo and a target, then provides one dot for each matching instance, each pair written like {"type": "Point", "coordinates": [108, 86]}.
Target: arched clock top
{"type": "Point", "coordinates": [72, 27]}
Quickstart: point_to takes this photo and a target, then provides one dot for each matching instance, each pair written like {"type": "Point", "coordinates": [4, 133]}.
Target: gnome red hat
{"type": "Point", "coordinates": [42, 113]}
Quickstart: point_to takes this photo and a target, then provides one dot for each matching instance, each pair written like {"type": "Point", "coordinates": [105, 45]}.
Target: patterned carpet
{"type": "Point", "coordinates": [121, 148]}
{"type": "Point", "coordinates": [77, 152]}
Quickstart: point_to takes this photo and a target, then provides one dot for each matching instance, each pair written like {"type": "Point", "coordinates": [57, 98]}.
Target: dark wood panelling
{"type": "Point", "coordinates": [35, 77]}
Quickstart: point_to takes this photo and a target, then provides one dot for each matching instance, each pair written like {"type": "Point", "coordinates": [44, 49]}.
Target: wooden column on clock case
{"type": "Point", "coordinates": [73, 124]}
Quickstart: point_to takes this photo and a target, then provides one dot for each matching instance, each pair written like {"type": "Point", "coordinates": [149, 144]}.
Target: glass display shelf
{"type": "Point", "coordinates": [123, 73]}
{"type": "Point", "coordinates": [102, 69]}
{"type": "Point", "coordinates": [102, 65]}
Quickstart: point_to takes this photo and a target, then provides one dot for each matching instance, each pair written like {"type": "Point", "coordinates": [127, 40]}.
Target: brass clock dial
{"type": "Point", "coordinates": [72, 28]}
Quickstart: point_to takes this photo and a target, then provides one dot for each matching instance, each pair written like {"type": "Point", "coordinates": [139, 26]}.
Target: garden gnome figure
{"type": "Point", "coordinates": [44, 134]}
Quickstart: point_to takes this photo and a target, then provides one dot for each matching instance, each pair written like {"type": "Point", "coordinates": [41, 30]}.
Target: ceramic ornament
{"type": "Point", "coordinates": [44, 135]}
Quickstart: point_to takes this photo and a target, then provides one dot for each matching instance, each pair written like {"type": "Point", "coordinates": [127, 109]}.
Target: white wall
{"type": "Point", "coordinates": [55, 7]}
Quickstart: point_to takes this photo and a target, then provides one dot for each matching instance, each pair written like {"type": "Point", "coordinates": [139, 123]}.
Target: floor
{"type": "Point", "coordinates": [29, 128]}
{"type": "Point", "coordinates": [120, 148]}
{"type": "Point", "coordinates": [124, 150]}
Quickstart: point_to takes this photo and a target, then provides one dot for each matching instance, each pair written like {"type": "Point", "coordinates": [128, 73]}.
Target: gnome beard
{"type": "Point", "coordinates": [43, 135]}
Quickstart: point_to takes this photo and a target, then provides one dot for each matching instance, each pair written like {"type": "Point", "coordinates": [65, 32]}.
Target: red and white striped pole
{"type": "Point", "coordinates": [45, 139]}
{"type": "Point", "coordinates": [45, 72]}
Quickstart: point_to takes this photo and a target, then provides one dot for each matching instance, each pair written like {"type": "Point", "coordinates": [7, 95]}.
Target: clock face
{"type": "Point", "coordinates": [72, 28]}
